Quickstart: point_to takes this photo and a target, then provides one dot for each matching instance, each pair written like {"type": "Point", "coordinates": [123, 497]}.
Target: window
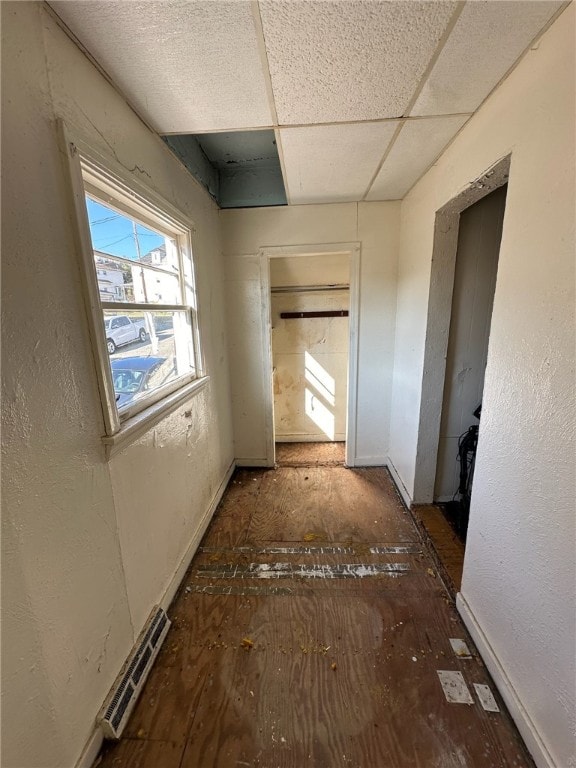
{"type": "Point", "coordinates": [139, 276]}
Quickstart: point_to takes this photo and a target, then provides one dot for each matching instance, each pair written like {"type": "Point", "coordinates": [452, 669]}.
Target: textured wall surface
{"type": "Point", "coordinates": [519, 569]}
{"type": "Point", "coordinates": [88, 545]}
{"type": "Point", "coordinates": [375, 226]}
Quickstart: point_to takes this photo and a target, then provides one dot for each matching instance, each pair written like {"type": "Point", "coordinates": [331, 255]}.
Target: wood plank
{"type": "Point", "coordinates": [241, 494]}
{"type": "Point", "coordinates": [338, 504]}
{"type": "Point", "coordinates": [167, 705]}
{"type": "Point", "coordinates": [300, 670]}
{"type": "Point", "coordinates": [286, 705]}
{"type": "Point", "coordinates": [310, 454]}
{"type": "Point", "coordinates": [140, 754]}
{"type": "Point", "coordinates": [448, 547]}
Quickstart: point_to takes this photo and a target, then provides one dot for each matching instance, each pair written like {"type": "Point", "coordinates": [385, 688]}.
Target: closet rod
{"type": "Point", "coordinates": [309, 288]}
{"type": "Point", "coordinates": [302, 315]}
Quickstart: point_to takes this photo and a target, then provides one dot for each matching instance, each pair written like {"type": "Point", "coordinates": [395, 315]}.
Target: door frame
{"type": "Point", "coordinates": [438, 322]}
{"type": "Point", "coordinates": [352, 250]}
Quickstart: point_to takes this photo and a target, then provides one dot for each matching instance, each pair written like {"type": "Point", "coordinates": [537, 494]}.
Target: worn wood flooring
{"type": "Point", "coordinates": [308, 631]}
{"type": "Point", "coordinates": [310, 454]}
{"type": "Point", "coordinates": [448, 548]}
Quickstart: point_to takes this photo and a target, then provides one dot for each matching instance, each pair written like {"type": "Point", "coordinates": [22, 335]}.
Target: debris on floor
{"type": "Point", "coordinates": [297, 610]}
{"type": "Point", "coordinates": [486, 697]}
{"type": "Point", "coordinates": [460, 648]}
{"type": "Point", "coordinates": [454, 687]}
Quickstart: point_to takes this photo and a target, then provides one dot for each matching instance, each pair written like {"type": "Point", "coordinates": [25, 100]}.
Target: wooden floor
{"type": "Point", "coordinates": [310, 454]}
{"type": "Point", "coordinates": [447, 547]}
{"type": "Point", "coordinates": [309, 631]}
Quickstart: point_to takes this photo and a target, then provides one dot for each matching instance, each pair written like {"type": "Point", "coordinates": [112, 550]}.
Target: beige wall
{"type": "Point", "coordinates": [326, 269]}
{"type": "Point", "coordinates": [88, 545]}
{"type": "Point", "coordinates": [309, 355]}
{"type": "Point", "coordinates": [518, 585]}
{"type": "Point", "coordinates": [310, 358]}
{"type": "Point", "coordinates": [244, 232]}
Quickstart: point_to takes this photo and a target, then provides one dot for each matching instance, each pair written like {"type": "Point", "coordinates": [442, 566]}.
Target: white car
{"type": "Point", "coordinates": [121, 330]}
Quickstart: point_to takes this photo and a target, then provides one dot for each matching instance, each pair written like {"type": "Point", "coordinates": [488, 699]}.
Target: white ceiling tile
{"type": "Point", "coordinates": [486, 41]}
{"type": "Point", "coordinates": [338, 60]}
{"type": "Point", "coordinates": [185, 66]}
{"type": "Point", "coordinates": [418, 144]}
{"type": "Point", "coordinates": [332, 163]}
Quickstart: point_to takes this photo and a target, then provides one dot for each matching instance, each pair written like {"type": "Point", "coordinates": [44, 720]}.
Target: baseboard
{"type": "Point", "coordinates": [370, 461]}
{"type": "Point", "coordinates": [307, 438]}
{"type": "Point", "coordinates": [91, 750]}
{"type": "Point", "coordinates": [401, 488]}
{"type": "Point", "coordinates": [524, 723]}
{"type": "Point", "coordinates": [195, 541]}
{"type": "Point", "coordinates": [252, 463]}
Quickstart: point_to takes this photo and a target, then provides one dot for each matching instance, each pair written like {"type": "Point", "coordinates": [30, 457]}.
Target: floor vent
{"type": "Point", "coordinates": [121, 700]}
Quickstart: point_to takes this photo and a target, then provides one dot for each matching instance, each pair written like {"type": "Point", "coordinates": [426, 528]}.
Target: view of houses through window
{"type": "Point", "coordinates": [146, 292]}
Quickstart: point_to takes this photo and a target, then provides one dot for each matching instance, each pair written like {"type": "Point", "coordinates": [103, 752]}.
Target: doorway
{"type": "Point", "coordinates": [438, 324]}
{"type": "Point", "coordinates": [451, 385]}
{"type": "Point", "coordinates": [312, 309]}
{"type": "Point", "coordinates": [479, 235]}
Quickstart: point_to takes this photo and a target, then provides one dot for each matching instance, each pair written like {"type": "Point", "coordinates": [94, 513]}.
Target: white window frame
{"type": "Point", "coordinates": [100, 177]}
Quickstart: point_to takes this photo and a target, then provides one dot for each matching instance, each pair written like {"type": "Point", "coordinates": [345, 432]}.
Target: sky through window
{"type": "Point", "coordinates": [113, 233]}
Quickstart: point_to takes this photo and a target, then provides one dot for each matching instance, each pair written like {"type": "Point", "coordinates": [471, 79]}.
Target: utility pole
{"type": "Point", "coordinates": [137, 244]}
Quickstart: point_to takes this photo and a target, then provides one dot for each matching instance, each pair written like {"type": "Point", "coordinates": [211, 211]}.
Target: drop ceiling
{"type": "Point", "coordinates": [363, 95]}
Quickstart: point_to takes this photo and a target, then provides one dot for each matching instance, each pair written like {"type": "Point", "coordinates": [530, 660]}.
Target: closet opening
{"type": "Point", "coordinates": [311, 301]}
{"type": "Point", "coordinates": [476, 267]}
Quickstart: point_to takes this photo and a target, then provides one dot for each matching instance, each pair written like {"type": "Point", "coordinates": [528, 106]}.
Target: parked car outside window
{"type": "Point", "coordinates": [136, 376]}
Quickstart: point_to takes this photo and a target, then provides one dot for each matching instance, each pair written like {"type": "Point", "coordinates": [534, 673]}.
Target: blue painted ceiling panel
{"type": "Point", "coordinates": [240, 169]}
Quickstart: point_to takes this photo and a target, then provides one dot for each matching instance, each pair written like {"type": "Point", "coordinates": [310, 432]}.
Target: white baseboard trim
{"type": "Point", "coordinates": [195, 541]}
{"type": "Point", "coordinates": [253, 463]}
{"type": "Point", "coordinates": [524, 722]}
{"type": "Point", "coordinates": [91, 750]}
{"type": "Point", "coordinates": [406, 498]}
{"type": "Point", "coordinates": [369, 461]}
{"type": "Point", "coordinates": [308, 438]}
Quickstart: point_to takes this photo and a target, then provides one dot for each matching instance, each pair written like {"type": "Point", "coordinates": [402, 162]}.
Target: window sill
{"type": "Point", "coordinates": [135, 427]}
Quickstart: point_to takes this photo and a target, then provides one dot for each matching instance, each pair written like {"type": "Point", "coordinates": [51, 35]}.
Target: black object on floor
{"type": "Point", "coordinates": [457, 514]}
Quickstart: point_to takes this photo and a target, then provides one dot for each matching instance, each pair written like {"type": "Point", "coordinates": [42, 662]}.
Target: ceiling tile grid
{"type": "Point", "coordinates": [349, 60]}
{"type": "Point", "coordinates": [484, 43]}
{"type": "Point", "coordinates": [333, 77]}
{"type": "Point", "coordinates": [417, 146]}
{"type": "Point", "coordinates": [186, 67]}
{"type": "Point", "coordinates": [332, 163]}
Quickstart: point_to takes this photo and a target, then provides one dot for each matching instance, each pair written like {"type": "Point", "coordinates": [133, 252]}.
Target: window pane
{"type": "Point", "coordinates": [152, 350]}
{"type": "Point", "coordinates": [152, 287]}
{"type": "Point", "coordinates": [133, 262]}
